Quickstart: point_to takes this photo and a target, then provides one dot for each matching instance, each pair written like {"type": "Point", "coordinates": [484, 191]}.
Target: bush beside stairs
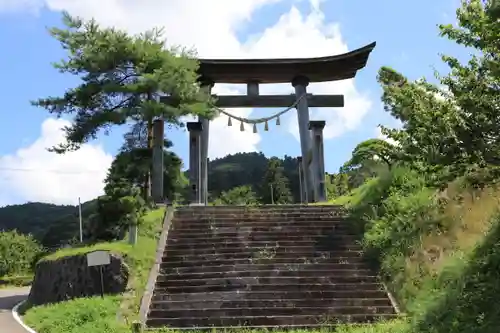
{"type": "Point", "coordinates": [268, 266]}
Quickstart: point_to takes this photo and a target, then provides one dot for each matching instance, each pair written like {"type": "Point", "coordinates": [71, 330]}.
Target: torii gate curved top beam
{"type": "Point", "coordinates": [285, 70]}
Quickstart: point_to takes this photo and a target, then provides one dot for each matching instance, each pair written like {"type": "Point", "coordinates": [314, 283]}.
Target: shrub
{"type": "Point", "coordinates": [466, 292]}
{"type": "Point", "coordinates": [115, 213]}
{"type": "Point", "coordinates": [18, 253]}
{"type": "Point", "coordinates": [241, 195]}
{"type": "Point", "coordinates": [396, 210]}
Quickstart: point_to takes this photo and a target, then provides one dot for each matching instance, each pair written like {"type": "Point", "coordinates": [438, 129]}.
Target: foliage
{"type": "Point", "coordinates": [133, 163]}
{"type": "Point", "coordinates": [394, 326]}
{"type": "Point", "coordinates": [248, 169]}
{"type": "Point", "coordinates": [79, 315]}
{"type": "Point", "coordinates": [51, 225]}
{"type": "Point", "coordinates": [122, 79]}
{"type": "Point", "coordinates": [470, 289]}
{"type": "Point", "coordinates": [18, 253]}
{"type": "Point", "coordinates": [372, 149]}
{"type": "Point", "coordinates": [66, 230]}
{"type": "Point", "coordinates": [461, 114]}
{"type": "Point", "coordinates": [436, 247]}
{"type": "Point", "coordinates": [274, 187]}
{"type": "Point", "coordinates": [397, 210]}
{"type": "Point", "coordinates": [369, 159]}
{"type": "Point", "coordinates": [241, 195]}
{"type": "Point", "coordinates": [119, 209]}
{"type": "Point", "coordinates": [337, 185]}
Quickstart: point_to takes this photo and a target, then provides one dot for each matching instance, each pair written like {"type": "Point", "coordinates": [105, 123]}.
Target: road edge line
{"type": "Point", "coordinates": [17, 318]}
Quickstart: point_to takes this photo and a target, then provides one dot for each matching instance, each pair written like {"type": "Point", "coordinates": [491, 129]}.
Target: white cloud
{"type": "Point", "coordinates": [17, 5]}
{"type": "Point", "coordinates": [35, 174]}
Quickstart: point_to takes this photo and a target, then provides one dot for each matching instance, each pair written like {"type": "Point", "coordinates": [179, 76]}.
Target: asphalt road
{"type": "Point", "coordinates": [8, 299]}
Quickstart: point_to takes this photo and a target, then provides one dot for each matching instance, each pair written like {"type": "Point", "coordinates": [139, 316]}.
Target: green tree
{"type": "Point", "coordinates": [241, 195]}
{"type": "Point", "coordinates": [122, 79]}
{"type": "Point", "coordinates": [451, 129]}
{"type": "Point", "coordinates": [132, 165]}
{"type": "Point", "coordinates": [18, 253]}
{"type": "Point", "coordinates": [117, 210]}
{"type": "Point", "coordinates": [372, 149]}
{"type": "Point", "coordinates": [337, 185]}
{"type": "Point", "coordinates": [274, 187]}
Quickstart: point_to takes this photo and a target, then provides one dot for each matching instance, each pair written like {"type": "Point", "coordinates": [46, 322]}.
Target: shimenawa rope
{"type": "Point", "coordinates": [260, 120]}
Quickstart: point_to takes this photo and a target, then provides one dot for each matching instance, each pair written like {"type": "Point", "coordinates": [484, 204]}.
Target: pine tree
{"type": "Point", "coordinates": [274, 188]}
{"type": "Point", "coordinates": [122, 79]}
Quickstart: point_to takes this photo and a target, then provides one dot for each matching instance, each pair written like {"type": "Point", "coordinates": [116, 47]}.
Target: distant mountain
{"type": "Point", "coordinates": [247, 169]}
{"type": "Point", "coordinates": [52, 225]}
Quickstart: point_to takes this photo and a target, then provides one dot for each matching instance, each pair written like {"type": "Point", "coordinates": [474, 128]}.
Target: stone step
{"type": "Point", "coordinates": [232, 281]}
{"type": "Point", "coordinates": [258, 273]}
{"type": "Point", "coordinates": [259, 254]}
{"type": "Point", "coordinates": [234, 233]}
{"type": "Point", "coordinates": [237, 303]}
{"type": "Point", "coordinates": [265, 321]}
{"type": "Point", "coordinates": [329, 227]}
{"type": "Point", "coordinates": [244, 295]}
{"type": "Point", "coordinates": [305, 250]}
{"type": "Point", "coordinates": [369, 286]}
{"type": "Point", "coordinates": [262, 219]}
{"type": "Point", "coordinates": [271, 239]}
{"type": "Point", "coordinates": [275, 311]}
{"type": "Point", "coordinates": [214, 261]}
{"type": "Point", "coordinates": [256, 223]}
{"type": "Point", "coordinates": [260, 215]}
{"type": "Point", "coordinates": [304, 229]}
{"type": "Point", "coordinates": [360, 268]}
{"type": "Point", "coordinates": [259, 208]}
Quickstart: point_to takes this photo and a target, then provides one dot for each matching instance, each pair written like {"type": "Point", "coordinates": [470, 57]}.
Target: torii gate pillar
{"type": "Point", "coordinates": [206, 85]}
{"type": "Point", "coordinates": [316, 127]}
{"type": "Point", "coordinates": [300, 83]}
{"type": "Point", "coordinates": [195, 130]}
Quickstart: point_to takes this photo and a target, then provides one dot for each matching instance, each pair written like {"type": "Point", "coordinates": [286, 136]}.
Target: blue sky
{"type": "Point", "coordinates": [405, 31]}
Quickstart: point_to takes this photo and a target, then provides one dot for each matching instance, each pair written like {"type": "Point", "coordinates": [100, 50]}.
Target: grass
{"type": "Point", "coordinates": [16, 281]}
{"type": "Point", "coordinates": [96, 314]}
{"type": "Point", "coordinates": [430, 248]}
{"type": "Point", "coordinates": [395, 326]}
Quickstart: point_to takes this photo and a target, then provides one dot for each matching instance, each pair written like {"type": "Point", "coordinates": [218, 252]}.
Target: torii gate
{"type": "Point", "coordinates": [252, 72]}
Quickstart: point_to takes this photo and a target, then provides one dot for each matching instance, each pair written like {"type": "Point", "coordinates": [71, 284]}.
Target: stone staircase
{"type": "Point", "coordinates": [287, 266]}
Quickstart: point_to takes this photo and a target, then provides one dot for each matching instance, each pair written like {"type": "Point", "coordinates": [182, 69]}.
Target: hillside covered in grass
{"type": "Point", "coordinates": [100, 314]}
{"type": "Point", "coordinates": [429, 216]}
{"type": "Point", "coordinates": [437, 250]}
